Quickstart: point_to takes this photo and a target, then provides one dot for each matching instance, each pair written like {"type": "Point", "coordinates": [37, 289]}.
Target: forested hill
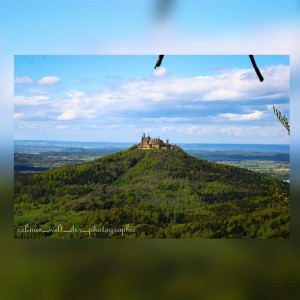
{"type": "Point", "coordinates": [161, 193]}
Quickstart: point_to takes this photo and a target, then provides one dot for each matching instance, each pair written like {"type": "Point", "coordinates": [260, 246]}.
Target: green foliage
{"type": "Point", "coordinates": [282, 118]}
{"type": "Point", "coordinates": [162, 194]}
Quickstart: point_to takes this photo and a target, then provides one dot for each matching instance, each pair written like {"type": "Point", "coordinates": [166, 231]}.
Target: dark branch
{"type": "Point", "coordinates": [159, 60]}
{"type": "Point", "coordinates": [256, 68]}
{"type": "Point", "coordinates": [282, 118]}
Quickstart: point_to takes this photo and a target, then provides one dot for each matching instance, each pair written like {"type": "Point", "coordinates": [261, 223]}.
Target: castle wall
{"type": "Point", "coordinates": [148, 143]}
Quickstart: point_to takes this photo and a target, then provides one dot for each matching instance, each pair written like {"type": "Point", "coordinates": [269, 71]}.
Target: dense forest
{"type": "Point", "coordinates": [158, 193]}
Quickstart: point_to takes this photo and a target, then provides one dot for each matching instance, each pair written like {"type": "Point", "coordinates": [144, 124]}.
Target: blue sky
{"type": "Point", "coordinates": [190, 98]}
{"type": "Point", "coordinates": [93, 26]}
{"type": "Point", "coordinates": [121, 27]}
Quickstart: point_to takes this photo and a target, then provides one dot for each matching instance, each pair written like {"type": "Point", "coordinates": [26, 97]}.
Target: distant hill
{"type": "Point", "coordinates": [160, 194]}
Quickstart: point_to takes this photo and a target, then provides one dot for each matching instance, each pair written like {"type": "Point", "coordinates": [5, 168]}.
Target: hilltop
{"type": "Point", "coordinates": [161, 194]}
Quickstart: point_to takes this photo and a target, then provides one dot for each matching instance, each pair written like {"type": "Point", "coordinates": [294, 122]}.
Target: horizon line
{"type": "Point", "coordinates": [218, 143]}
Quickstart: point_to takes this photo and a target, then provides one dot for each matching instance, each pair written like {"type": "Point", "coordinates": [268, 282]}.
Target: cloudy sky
{"type": "Point", "coordinates": [190, 98]}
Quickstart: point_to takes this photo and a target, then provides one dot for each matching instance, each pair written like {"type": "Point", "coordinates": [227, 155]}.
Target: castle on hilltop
{"type": "Point", "coordinates": [156, 143]}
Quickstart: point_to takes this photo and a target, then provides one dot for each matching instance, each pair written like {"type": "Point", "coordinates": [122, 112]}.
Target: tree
{"type": "Point", "coordinates": [282, 118]}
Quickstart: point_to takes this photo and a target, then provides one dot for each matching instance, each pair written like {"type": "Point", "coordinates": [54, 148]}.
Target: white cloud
{"type": "Point", "coordinates": [192, 129]}
{"type": "Point", "coordinates": [78, 107]}
{"type": "Point", "coordinates": [23, 79]}
{"type": "Point", "coordinates": [31, 101]}
{"type": "Point", "coordinates": [67, 115]}
{"type": "Point", "coordinates": [231, 85]}
{"type": "Point", "coordinates": [274, 96]}
{"type": "Point", "coordinates": [282, 107]}
{"type": "Point", "coordinates": [221, 94]}
{"type": "Point", "coordinates": [256, 115]}
{"type": "Point", "coordinates": [37, 91]}
{"type": "Point", "coordinates": [167, 129]}
{"type": "Point", "coordinates": [74, 94]}
{"type": "Point", "coordinates": [150, 97]}
{"type": "Point", "coordinates": [18, 116]}
{"type": "Point", "coordinates": [49, 80]}
{"type": "Point", "coordinates": [62, 127]}
{"type": "Point", "coordinates": [209, 133]}
{"type": "Point", "coordinates": [165, 120]}
{"type": "Point", "coordinates": [172, 105]}
{"type": "Point", "coordinates": [114, 126]}
{"type": "Point", "coordinates": [160, 72]}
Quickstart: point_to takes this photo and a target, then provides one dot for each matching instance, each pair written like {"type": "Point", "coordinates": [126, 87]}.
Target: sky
{"type": "Point", "coordinates": [134, 27]}
{"type": "Point", "coordinates": [33, 28]}
{"type": "Point", "coordinates": [116, 98]}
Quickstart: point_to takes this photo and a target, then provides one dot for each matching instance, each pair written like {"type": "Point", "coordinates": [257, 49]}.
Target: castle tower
{"type": "Point", "coordinates": [148, 142]}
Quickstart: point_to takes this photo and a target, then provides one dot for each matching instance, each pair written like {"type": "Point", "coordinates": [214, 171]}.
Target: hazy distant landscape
{"type": "Point", "coordinates": [36, 156]}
